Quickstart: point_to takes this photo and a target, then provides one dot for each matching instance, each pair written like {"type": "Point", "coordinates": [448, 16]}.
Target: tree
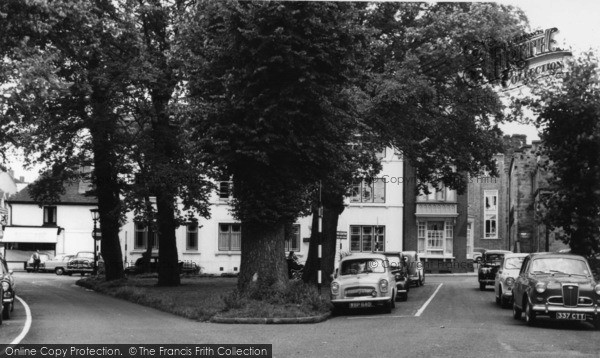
{"type": "Point", "coordinates": [419, 98]}
{"type": "Point", "coordinates": [270, 79]}
{"type": "Point", "coordinates": [567, 111]}
{"type": "Point", "coordinates": [65, 65]}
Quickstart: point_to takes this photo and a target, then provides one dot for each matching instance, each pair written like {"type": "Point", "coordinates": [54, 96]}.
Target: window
{"type": "Point", "coordinates": [192, 236]}
{"type": "Point", "coordinates": [141, 237]}
{"type": "Point", "coordinates": [366, 192]}
{"type": "Point", "coordinates": [470, 239]}
{"type": "Point", "coordinates": [225, 190]}
{"type": "Point", "coordinates": [50, 215]}
{"type": "Point", "coordinates": [367, 238]}
{"type": "Point", "coordinates": [230, 237]}
{"type": "Point", "coordinates": [292, 239]}
{"type": "Point", "coordinates": [441, 193]}
{"type": "Point", "coordinates": [490, 213]}
{"type": "Point", "coordinates": [435, 237]}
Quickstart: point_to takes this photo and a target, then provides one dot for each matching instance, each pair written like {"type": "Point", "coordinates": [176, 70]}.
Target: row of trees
{"type": "Point", "coordinates": [289, 100]}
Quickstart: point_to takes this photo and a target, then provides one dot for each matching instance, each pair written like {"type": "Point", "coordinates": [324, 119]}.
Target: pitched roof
{"type": "Point", "coordinates": [74, 194]}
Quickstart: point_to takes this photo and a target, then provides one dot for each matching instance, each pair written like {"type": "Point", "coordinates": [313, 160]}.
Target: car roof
{"type": "Point", "coordinates": [364, 255]}
{"type": "Point", "coordinates": [516, 254]}
{"type": "Point", "coordinates": [555, 254]}
{"type": "Point", "coordinates": [497, 252]}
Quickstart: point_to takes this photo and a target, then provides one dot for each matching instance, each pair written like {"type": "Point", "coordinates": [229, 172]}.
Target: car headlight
{"type": "Point", "coordinates": [540, 287]}
{"type": "Point", "coordinates": [510, 281]}
{"type": "Point", "coordinates": [597, 289]}
{"type": "Point", "coordinates": [383, 285]}
{"type": "Point", "coordinates": [335, 288]}
{"type": "Point", "coordinates": [5, 285]}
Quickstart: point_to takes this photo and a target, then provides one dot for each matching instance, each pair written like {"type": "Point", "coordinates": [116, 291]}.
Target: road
{"type": "Point", "coordinates": [459, 320]}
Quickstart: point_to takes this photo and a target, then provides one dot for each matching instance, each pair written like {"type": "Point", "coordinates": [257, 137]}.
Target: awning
{"type": "Point", "coordinates": [30, 234]}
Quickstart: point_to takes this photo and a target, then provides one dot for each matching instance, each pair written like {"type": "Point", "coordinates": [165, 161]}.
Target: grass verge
{"type": "Point", "coordinates": [201, 298]}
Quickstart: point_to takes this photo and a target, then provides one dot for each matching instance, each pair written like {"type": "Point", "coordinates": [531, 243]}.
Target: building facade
{"type": "Point", "coordinates": [435, 225]}
{"type": "Point", "coordinates": [64, 227]}
{"type": "Point", "coordinates": [372, 221]}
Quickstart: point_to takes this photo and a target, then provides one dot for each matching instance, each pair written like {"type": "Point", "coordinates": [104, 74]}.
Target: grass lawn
{"type": "Point", "coordinates": [200, 297]}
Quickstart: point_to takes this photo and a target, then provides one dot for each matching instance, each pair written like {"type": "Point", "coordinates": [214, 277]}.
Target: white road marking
{"type": "Point", "coordinates": [377, 317]}
{"type": "Point", "coordinates": [422, 309]}
{"type": "Point", "coordinates": [27, 323]}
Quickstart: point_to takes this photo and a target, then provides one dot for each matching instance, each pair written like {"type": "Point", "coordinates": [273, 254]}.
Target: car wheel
{"type": "Point", "coordinates": [529, 313]}
{"type": "Point", "coordinates": [516, 311]}
{"type": "Point", "coordinates": [481, 286]}
{"type": "Point", "coordinates": [597, 323]}
{"type": "Point", "coordinates": [6, 311]}
{"type": "Point", "coordinates": [405, 296]}
{"type": "Point", "coordinates": [387, 307]}
{"type": "Point", "coordinates": [499, 296]}
{"type": "Point", "coordinates": [504, 302]}
{"type": "Point", "coordinates": [422, 282]}
{"type": "Point", "coordinates": [337, 310]}
{"type": "Point", "coordinates": [59, 271]}
{"type": "Point", "coordinates": [393, 302]}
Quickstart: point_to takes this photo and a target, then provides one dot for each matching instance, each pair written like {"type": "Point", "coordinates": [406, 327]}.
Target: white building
{"type": "Point", "coordinates": [372, 221]}
{"type": "Point", "coordinates": [61, 228]}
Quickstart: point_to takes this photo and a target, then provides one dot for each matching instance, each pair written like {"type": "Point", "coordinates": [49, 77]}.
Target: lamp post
{"type": "Point", "coordinates": [95, 236]}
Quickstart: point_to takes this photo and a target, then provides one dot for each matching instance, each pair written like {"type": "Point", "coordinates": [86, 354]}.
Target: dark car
{"type": "Point", "coordinates": [83, 262]}
{"type": "Point", "coordinates": [138, 267]}
{"type": "Point", "coordinates": [560, 286]}
{"type": "Point", "coordinates": [7, 288]}
{"type": "Point", "coordinates": [399, 267]}
{"type": "Point", "coordinates": [416, 273]}
{"type": "Point", "coordinates": [490, 263]}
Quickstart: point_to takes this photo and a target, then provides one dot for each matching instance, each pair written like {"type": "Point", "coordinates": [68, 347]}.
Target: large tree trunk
{"type": "Point", "coordinates": [168, 268]}
{"type": "Point", "coordinates": [105, 179]}
{"type": "Point", "coordinates": [263, 261]}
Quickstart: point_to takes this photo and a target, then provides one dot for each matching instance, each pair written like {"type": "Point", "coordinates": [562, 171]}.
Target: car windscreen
{"type": "Point", "coordinates": [493, 258]}
{"type": "Point", "coordinates": [357, 266]}
{"type": "Point", "coordinates": [559, 265]}
{"type": "Point", "coordinates": [513, 263]}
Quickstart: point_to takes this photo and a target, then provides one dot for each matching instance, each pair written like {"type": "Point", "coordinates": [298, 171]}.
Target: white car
{"type": "Point", "coordinates": [505, 278]}
{"type": "Point", "coordinates": [364, 280]}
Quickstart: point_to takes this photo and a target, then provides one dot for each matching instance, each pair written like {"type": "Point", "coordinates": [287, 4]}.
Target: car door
{"type": "Point", "coordinates": [521, 283]}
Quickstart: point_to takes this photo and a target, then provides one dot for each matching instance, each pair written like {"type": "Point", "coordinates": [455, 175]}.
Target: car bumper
{"type": "Point", "coordinates": [544, 308]}
{"type": "Point", "coordinates": [361, 299]}
{"type": "Point", "coordinates": [8, 297]}
{"type": "Point", "coordinates": [487, 281]}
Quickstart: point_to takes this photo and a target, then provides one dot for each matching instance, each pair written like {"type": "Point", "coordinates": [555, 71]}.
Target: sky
{"type": "Point", "coordinates": [579, 29]}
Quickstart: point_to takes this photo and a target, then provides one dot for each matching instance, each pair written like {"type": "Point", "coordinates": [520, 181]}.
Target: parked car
{"type": "Point", "coordinates": [58, 264]}
{"type": "Point", "coordinates": [505, 278]}
{"type": "Point", "coordinates": [43, 258]}
{"type": "Point", "coordinates": [83, 262]}
{"type": "Point", "coordinates": [558, 285]}
{"type": "Point", "coordinates": [416, 273]}
{"type": "Point", "coordinates": [138, 268]}
{"type": "Point", "coordinates": [363, 280]}
{"type": "Point", "coordinates": [478, 254]}
{"type": "Point", "coordinates": [7, 282]}
{"type": "Point", "coordinates": [399, 267]}
{"type": "Point", "coordinates": [490, 264]}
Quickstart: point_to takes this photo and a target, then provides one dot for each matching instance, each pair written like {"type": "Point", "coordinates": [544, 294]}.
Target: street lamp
{"type": "Point", "coordinates": [95, 236]}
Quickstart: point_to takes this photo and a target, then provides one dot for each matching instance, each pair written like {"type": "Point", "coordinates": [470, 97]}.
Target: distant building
{"type": "Point", "coordinates": [64, 227]}
{"type": "Point", "coordinates": [487, 210]}
{"type": "Point", "coordinates": [435, 225]}
{"type": "Point", "coordinates": [528, 183]}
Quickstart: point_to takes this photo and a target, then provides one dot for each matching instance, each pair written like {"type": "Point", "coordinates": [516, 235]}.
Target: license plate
{"type": "Point", "coordinates": [360, 304]}
{"type": "Point", "coordinates": [571, 316]}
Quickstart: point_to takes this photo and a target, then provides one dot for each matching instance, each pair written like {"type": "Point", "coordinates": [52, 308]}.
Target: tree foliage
{"type": "Point", "coordinates": [567, 111]}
